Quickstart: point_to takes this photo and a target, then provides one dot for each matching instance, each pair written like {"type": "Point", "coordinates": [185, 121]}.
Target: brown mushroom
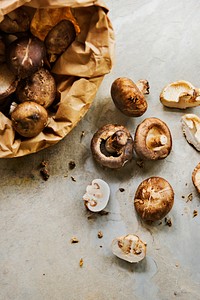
{"type": "Point", "coordinates": [2, 50]}
{"type": "Point", "coordinates": [15, 21]}
{"type": "Point", "coordinates": [39, 87]}
{"type": "Point", "coordinates": [196, 177]}
{"type": "Point", "coordinates": [152, 139]}
{"type": "Point", "coordinates": [29, 118]}
{"type": "Point", "coordinates": [129, 96]}
{"type": "Point", "coordinates": [25, 56]}
{"type": "Point", "coordinates": [8, 81]}
{"type": "Point", "coordinates": [154, 199]}
{"type": "Point", "coordinates": [112, 146]}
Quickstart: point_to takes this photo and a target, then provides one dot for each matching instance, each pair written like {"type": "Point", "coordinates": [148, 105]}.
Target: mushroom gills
{"type": "Point", "coordinates": [129, 248]}
{"type": "Point", "coordinates": [191, 129]}
{"type": "Point", "coordinates": [97, 195]}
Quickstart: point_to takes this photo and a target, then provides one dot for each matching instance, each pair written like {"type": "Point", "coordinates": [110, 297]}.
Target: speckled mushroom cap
{"type": "Point", "coordinates": [99, 152]}
{"type": "Point", "coordinates": [152, 139]}
{"type": "Point", "coordinates": [154, 199]}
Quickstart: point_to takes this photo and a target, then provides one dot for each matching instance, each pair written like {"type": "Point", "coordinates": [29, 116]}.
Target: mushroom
{"type": "Point", "coordinates": [180, 94]}
{"type": "Point", "coordinates": [153, 199]}
{"type": "Point", "coordinates": [15, 21]}
{"type": "Point", "coordinates": [8, 81]}
{"type": "Point", "coordinates": [129, 96]}
{"type": "Point", "coordinates": [40, 87]}
{"type": "Point", "coordinates": [29, 118]}
{"type": "Point", "coordinates": [25, 56]}
{"type": "Point", "coordinates": [196, 177]}
{"type": "Point", "coordinates": [129, 248]}
{"type": "Point", "coordinates": [152, 139]}
{"type": "Point", "coordinates": [2, 50]}
{"type": "Point", "coordinates": [97, 195]}
{"type": "Point", "coordinates": [112, 146]}
{"type": "Point", "coordinates": [191, 129]}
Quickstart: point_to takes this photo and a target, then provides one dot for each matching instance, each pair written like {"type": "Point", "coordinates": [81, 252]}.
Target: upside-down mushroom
{"type": "Point", "coordinates": [129, 248]}
{"type": "Point", "coordinates": [112, 146]}
{"type": "Point", "coordinates": [196, 177]}
{"type": "Point", "coordinates": [128, 96]}
{"type": "Point", "coordinates": [153, 199]}
{"type": "Point", "coordinates": [180, 94]}
{"type": "Point", "coordinates": [191, 129]}
{"type": "Point", "coordinates": [152, 139]}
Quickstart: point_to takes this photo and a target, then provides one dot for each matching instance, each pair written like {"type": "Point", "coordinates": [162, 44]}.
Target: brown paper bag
{"type": "Point", "coordinates": [80, 69]}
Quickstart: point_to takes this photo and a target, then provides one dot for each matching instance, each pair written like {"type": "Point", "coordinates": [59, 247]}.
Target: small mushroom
{"type": "Point", "coordinates": [180, 94]}
{"type": "Point", "coordinates": [112, 146]}
{"type": "Point", "coordinates": [25, 56]}
{"type": "Point", "coordinates": [8, 81]}
{"type": "Point", "coordinates": [29, 118]}
{"type": "Point", "coordinates": [191, 129]}
{"type": "Point", "coordinates": [97, 195]}
{"type": "Point", "coordinates": [129, 96]}
{"type": "Point", "coordinates": [153, 139]}
{"type": "Point", "coordinates": [196, 177]}
{"type": "Point", "coordinates": [153, 199]}
{"type": "Point", "coordinates": [15, 21]}
{"type": "Point", "coordinates": [129, 248]}
{"type": "Point", "coordinates": [40, 87]}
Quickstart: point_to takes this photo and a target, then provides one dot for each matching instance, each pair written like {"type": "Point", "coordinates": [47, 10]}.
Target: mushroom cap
{"type": "Point", "coordinates": [153, 199]}
{"type": "Point", "coordinates": [180, 94]}
{"type": "Point", "coordinates": [111, 160]}
{"type": "Point", "coordinates": [152, 139]}
{"type": "Point", "coordinates": [15, 21]}
{"type": "Point", "coordinates": [196, 177]}
{"type": "Point", "coordinates": [129, 248]}
{"type": "Point", "coordinates": [8, 81]}
{"type": "Point", "coordinates": [191, 129]}
{"type": "Point", "coordinates": [29, 118]}
{"type": "Point", "coordinates": [97, 195]}
{"type": "Point", "coordinates": [128, 98]}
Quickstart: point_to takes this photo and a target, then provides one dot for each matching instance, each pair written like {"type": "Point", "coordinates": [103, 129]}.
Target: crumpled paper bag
{"type": "Point", "coordinates": [80, 69]}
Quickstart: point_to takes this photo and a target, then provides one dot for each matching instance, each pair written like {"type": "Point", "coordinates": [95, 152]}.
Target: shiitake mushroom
{"type": "Point", "coordinates": [29, 118]}
{"type": "Point", "coordinates": [8, 81]}
{"type": "Point", "coordinates": [40, 87]}
{"type": "Point", "coordinates": [15, 21]}
{"type": "Point", "coordinates": [25, 56]}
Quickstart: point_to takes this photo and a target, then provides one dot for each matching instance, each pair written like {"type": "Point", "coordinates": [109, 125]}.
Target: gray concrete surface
{"type": "Point", "coordinates": [156, 40]}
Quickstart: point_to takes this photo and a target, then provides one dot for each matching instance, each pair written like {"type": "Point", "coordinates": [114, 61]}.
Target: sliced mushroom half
{"type": "Point", "coordinates": [152, 139]}
{"type": "Point", "coordinates": [191, 129]}
{"type": "Point", "coordinates": [97, 195]}
{"type": "Point", "coordinates": [154, 199]}
{"type": "Point", "coordinates": [180, 94]}
{"type": "Point", "coordinates": [112, 146]}
{"type": "Point", "coordinates": [196, 177]}
{"type": "Point", "coordinates": [129, 248]}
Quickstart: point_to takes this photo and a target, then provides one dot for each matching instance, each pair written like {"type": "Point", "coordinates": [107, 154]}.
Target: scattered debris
{"type": "Point", "coordinates": [44, 170]}
{"type": "Point", "coordinates": [82, 135]}
{"type": "Point", "coordinates": [177, 265]}
{"type": "Point", "coordinates": [74, 240]}
{"type": "Point", "coordinates": [140, 163]}
{"type": "Point", "coordinates": [81, 262]}
{"type": "Point", "coordinates": [121, 190]}
{"type": "Point", "coordinates": [72, 165]}
{"type": "Point", "coordinates": [189, 197]}
{"type": "Point", "coordinates": [73, 179]}
{"type": "Point", "coordinates": [100, 234]}
{"type": "Point", "coordinates": [183, 197]}
{"type": "Point", "coordinates": [168, 222]}
{"type": "Point", "coordinates": [100, 246]}
{"type": "Point", "coordinates": [195, 213]}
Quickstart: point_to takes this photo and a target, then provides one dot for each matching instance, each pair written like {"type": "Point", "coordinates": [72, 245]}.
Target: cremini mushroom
{"type": "Point", "coordinates": [112, 146]}
{"type": "Point", "coordinates": [153, 199]}
{"type": "Point", "coordinates": [152, 139]}
{"type": "Point", "coordinates": [191, 129]}
{"type": "Point", "coordinates": [128, 96]}
{"type": "Point", "coordinates": [196, 177]}
{"type": "Point", "coordinates": [8, 81]}
{"type": "Point", "coordinates": [129, 248]}
{"type": "Point", "coordinates": [97, 195]}
{"type": "Point", "coordinates": [180, 94]}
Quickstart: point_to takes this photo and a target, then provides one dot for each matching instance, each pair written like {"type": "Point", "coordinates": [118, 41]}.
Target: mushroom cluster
{"type": "Point", "coordinates": [26, 74]}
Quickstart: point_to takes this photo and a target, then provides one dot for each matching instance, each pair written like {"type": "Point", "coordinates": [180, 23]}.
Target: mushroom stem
{"type": "Point", "coordinates": [157, 141]}
{"type": "Point", "coordinates": [143, 86]}
{"type": "Point", "coordinates": [115, 142]}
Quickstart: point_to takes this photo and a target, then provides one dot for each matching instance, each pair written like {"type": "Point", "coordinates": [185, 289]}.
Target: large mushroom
{"type": "Point", "coordinates": [154, 199]}
{"type": "Point", "coordinates": [129, 96]}
{"type": "Point", "coordinates": [180, 94]}
{"type": "Point", "coordinates": [152, 139]}
{"type": "Point", "coordinates": [112, 146]}
{"type": "Point", "coordinates": [129, 248]}
{"type": "Point", "coordinates": [196, 177]}
{"type": "Point", "coordinates": [191, 129]}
